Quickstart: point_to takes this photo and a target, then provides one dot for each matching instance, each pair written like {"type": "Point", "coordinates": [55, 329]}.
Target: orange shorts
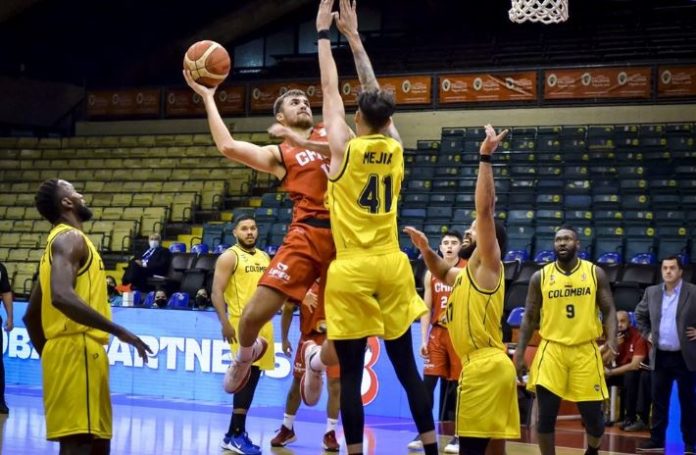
{"type": "Point", "coordinates": [303, 257]}
{"type": "Point", "coordinates": [332, 372]}
{"type": "Point", "coordinates": [442, 359]}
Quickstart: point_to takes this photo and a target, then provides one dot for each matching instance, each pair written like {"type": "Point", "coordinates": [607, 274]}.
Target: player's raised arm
{"type": "Point", "coordinates": [347, 23]}
{"type": "Point", "coordinates": [487, 245]}
{"type": "Point", "coordinates": [333, 112]}
{"type": "Point", "coordinates": [436, 265]}
{"type": "Point", "coordinates": [293, 138]}
{"type": "Point", "coordinates": [265, 159]}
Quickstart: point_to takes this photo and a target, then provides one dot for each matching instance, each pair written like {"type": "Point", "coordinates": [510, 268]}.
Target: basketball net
{"type": "Point", "coordinates": [545, 11]}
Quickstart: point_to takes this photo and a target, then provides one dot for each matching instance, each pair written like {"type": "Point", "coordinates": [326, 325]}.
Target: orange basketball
{"type": "Point", "coordinates": [208, 62]}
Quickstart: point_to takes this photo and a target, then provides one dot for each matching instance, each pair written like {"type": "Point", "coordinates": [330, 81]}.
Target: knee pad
{"type": "Point", "coordinates": [592, 417]}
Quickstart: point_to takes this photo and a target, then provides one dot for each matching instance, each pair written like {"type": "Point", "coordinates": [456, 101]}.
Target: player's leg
{"type": "Point", "coordinates": [333, 405]}
{"type": "Point", "coordinates": [101, 447]}
{"type": "Point", "coordinates": [473, 446]}
{"type": "Point", "coordinates": [286, 432]}
{"type": "Point", "coordinates": [549, 404]}
{"type": "Point", "coordinates": [400, 351]}
{"type": "Point", "coordinates": [236, 438]}
{"type": "Point", "coordinates": [260, 309]}
{"type": "Point", "coordinates": [77, 444]}
{"type": "Point", "coordinates": [593, 419]}
{"type": "Point", "coordinates": [351, 357]}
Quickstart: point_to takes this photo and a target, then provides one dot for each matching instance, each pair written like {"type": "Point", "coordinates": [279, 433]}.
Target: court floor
{"type": "Point", "coordinates": [150, 426]}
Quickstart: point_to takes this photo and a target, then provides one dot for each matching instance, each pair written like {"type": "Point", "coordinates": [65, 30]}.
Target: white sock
{"type": "Point", "coordinates": [288, 421]}
{"type": "Point", "coordinates": [315, 362]}
{"type": "Point", "coordinates": [245, 353]}
{"type": "Point", "coordinates": [331, 425]}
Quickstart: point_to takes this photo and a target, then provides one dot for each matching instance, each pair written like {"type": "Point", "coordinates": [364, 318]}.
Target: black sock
{"type": "Point", "coordinates": [592, 450]}
{"type": "Point", "coordinates": [237, 425]}
{"type": "Point", "coordinates": [430, 449]}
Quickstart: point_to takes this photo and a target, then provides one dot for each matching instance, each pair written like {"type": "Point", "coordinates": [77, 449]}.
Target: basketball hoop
{"type": "Point", "coordinates": [545, 11]}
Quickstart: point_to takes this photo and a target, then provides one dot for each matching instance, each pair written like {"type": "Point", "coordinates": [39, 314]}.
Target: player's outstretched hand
{"type": "Point", "coordinates": [417, 237]}
{"type": "Point", "coordinates": [347, 20]}
{"type": "Point", "coordinates": [492, 140]}
{"type": "Point", "coordinates": [285, 133]}
{"type": "Point", "coordinates": [324, 16]}
{"type": "Point", "coordinates": [137, 343]}
{"type": "Point", "coordinates": [202, 90]}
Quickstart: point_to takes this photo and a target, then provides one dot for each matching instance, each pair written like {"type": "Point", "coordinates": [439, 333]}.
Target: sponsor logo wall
{"type": "Point", "coordinates": [190, 358]}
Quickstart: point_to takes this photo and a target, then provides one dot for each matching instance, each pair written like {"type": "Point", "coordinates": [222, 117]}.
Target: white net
{"type": "Point", "coordinates": [545, 11]}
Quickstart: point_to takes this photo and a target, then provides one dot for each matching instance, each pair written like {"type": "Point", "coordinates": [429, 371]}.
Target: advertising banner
{"type": "Point", "coordinates": [676, 81]}
{"type": "Point", "coordinates": [123, 103]}
{"type": "Point", "coordinates": [583, 83]}
{"type": "Point", "coordinates": [487, 87]}
{"type": "Point", "coordinates": [190, 358]}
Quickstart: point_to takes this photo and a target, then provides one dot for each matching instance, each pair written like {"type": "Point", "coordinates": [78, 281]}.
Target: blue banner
{"type": "Point", "coordinates": [190, 358]}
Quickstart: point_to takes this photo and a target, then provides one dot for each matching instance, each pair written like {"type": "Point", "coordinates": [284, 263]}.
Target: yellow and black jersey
{"type": "Point", "coordinates": [245, 277]}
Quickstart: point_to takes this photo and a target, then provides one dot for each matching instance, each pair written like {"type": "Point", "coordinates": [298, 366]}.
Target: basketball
{"type": "Point", "coordinates": [208, 62]}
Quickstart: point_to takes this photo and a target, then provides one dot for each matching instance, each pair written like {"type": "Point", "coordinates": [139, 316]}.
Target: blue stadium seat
{"type": "Point", "coordinates": [137, 298]}
{"type": "Point", "coordinates": [220, 248]}
{"type": "Point", "coordinates": [643, 258]}
{"type": "Point", "coordinates": [516, 316]}
{"type": "Point", "coordinates": [179, 300]}
{"type": "Point", "coordinates": [200, 248]}
{"type": "Point", "coordinates": [272, 199]}
{"type": "Point", "coordinates": [149, 299]}
{"type": "Point", "coordinates": [516, 255]}
{"type": "Point", "coordinates": [610, 257]}
{"type": "Point", "coordinates": [268, 214]}
{"type": "Point", "coordinates": [545, 256]}
{"type": "Point", "coordinates": [271, 250]}
{"type": "Point", "coordinates": [177, 247]}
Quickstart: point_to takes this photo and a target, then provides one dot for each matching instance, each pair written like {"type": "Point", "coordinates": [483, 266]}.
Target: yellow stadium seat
{"type": "Point", "coordinates": [121, 200]}
{"type": "Point", "coordinates": [28, 240]}
{"type": "Point", "coordinates": [110, 141]}
{"type": "Point", "coordinates": [15, 213]}
{"type": "Point", "coordinates": [113, 163]}
{"type": "Point", "coordinates": [142, 200]}
{"type": "Point", "coordinates": [96, 212]}
{"type": "Point", "coordinates": [22, 187]}
{"type": "Point", "coordinates": [32, 214]}
{"type": "Point", "coordinates": [60, 164]}
{"type": "Point", "coordinates": [112, 213]}
{"type": "Point", "coordinates": [184, 139]}
{"type": "Point", "coordinates": [23, 226]}
{"type": "Point", "coordinates": [10, 164]}
{"type": "Point", "coordinates": [101, 199]}
{"type": "Point", "coordinates": [121, 240]}
{"type": "Point", "coordinates": [26, 199]}
{"type": "Point", "coordinates": [35, 254]}
{"type": "Point", "coordinates": [41, 226]}
{"type": "Point", "coordinates": [181, 211]}
{"type": "Point", "coordinates": [3, 209]}
{"type": "Point", "coordinates": [97, 239]}
{"type": "Point", "coordinates": [162, 199]}
{"type": "Point", "coordinates": [31, 176]}
{"type": "Point", "coordinates": [132, 213]}
{"type": "Point", "coordinates": [4, 252]}
{"type": "Point", "coordinates": [18, 254]}
{"type": "Point", "coordinates": [151, 187]}
{"type": "Point", "coordinates": [94, 186]}
{"type": "Point", "coordinates": [6, 226]}
{"type": "Point", "coordinates": [84, 174]}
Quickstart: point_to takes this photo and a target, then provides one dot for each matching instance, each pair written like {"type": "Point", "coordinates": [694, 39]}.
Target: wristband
{"type": "Point", "coordinates": [324, 34]}
{"type": "Point", "coordinates": [485, 158]}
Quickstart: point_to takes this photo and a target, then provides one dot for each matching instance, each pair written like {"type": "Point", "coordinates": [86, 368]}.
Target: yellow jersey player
{"type": "Point", "coordinates": [370, 288]}
{"type": "Point", "coordinates": [237, 273]}
{"type": "Point", "coordinates": [69, 322]}
{"type": "Point", "coordinates": [565, 301]}
{"type": "Point", "coordinates": [487, 391]}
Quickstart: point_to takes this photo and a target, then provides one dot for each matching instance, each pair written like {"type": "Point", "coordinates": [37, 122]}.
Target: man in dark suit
{"type": "Point", "coordinates": [154, 261]}
{"type": "Point", "coordinates": [666, 316]}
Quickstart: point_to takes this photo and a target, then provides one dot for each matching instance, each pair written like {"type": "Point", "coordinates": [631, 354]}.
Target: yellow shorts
{"type": "Point", "coordinates": [574, 373]}
{"type": "Point", "coordinates": [76, 395]}
{"type": "Point", "coordinates": [487, 396]}
{"type": "Point", "coordinates": [371, 296]}
{"type": "Point", "coordinates": [267, 362]}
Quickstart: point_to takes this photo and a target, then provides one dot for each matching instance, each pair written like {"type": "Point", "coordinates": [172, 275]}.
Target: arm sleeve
{"type": "Point", "coordinates": [4, 280]}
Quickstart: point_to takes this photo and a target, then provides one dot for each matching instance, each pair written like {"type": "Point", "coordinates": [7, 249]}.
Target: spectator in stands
{"type": "Point", "coordinates": [154, 261]}
{"type": "Point", "coordinates": [160, 299]}
{"type": "Point", "coordinates": [633, 349]}
{"type": "Point", "coordinates": [6, 293]}
{"type": "Point", "coordinates": [115, 298]}
{"type": "Point", "coordinates": [666, 316]}
{"type": "Point", "coordinates": [202, 299]}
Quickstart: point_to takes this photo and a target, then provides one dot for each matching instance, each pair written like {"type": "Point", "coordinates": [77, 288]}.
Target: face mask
{"type": "Point", "coordinates": [161, 302]}
{"type": "Point", "coordinates": [201, 301]}
{"type": "Point", "coordinates": [110, 289]}
{"type": "Point", "coordinates": [154, 243]}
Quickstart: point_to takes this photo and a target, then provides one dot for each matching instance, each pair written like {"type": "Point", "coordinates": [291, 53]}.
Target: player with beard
{"type": "Point", "coordinates": [487, 392]}
{"type": "Point", "coordinates": [441, 361]}
{"type": "Point", "coordinates": [69, 321]}
{"type": "Point", "coordinates": [564, 301]}
{"type": "Point", "coordinates": [237, 273]}
{"type": "Point", "coordinates": [301, 164]}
